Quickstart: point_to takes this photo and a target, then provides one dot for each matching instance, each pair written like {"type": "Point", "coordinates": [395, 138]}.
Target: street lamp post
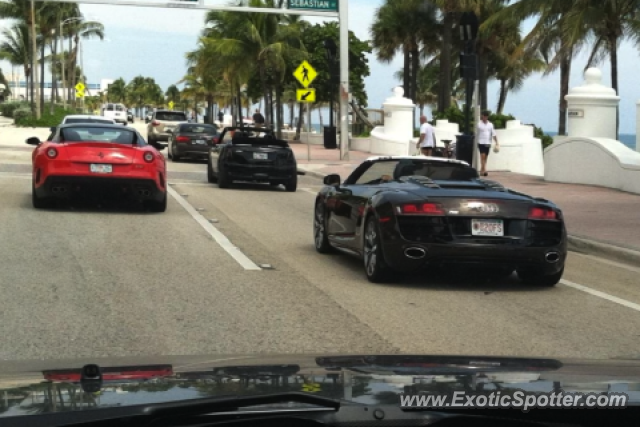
{"type": "Point", "coordinates": [468, 69]}
{"type": "Point", "coordinates": [330, 132]}
{"type": "Point", "coordinates": [64, 95]}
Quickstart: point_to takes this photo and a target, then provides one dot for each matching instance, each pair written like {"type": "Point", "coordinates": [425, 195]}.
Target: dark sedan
{"type": "Point", "coordinates": [192, 140]}
{"type": "Point", "coordinates": [414, 213]}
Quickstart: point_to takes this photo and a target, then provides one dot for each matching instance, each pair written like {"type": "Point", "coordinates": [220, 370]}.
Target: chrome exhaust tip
{"type": "Point", "coordinates": [552, 257]}
{"type": "Point", "coordinates": [415, 253]}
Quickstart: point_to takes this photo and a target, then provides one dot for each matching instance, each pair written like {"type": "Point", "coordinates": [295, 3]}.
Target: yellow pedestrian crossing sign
{"type": "Point", "coordinates": [305, 74]}
{"type": "Point", "coordinates": [80, 87]}
{"type": "Point", "coordinates": [79, 94]}
{"type": "Point", "coordinates": [171, 104]}
{"type": "Point", "coordinates": [306, 95]}
{"type": "Point", "coordinates": [311, 387]}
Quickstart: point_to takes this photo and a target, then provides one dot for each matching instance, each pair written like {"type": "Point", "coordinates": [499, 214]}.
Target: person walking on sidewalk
{"type": "Point", "coordinates": [427, 140]}
{"type": "Point", "coordinates": [258, 119]}
{"type": "Point", "coordinates": [486, 133]}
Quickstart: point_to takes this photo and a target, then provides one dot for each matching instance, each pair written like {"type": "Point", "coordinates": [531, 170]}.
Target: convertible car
{"type": "Point", "coordinates": [91, 159]}
{"type": "Point", "coordinates": [414, 213]}
{"type": "Point", "coordinates": [252, 154]}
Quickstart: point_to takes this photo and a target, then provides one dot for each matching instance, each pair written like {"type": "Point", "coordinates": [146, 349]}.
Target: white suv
{"type": "Point", "coordinates": [117, 112]}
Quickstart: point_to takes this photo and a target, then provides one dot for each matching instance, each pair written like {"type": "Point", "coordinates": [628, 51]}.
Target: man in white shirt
{"type": "Point", "coordinates": [427, 140]}
{"type": "Point", "coordinates": [485, 133]}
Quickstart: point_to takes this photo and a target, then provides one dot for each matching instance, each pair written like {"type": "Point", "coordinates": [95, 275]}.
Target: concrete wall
{"type": "Point", "coordinates": [593, 161]}
{"type": "Point", "coordinates": [519, 151]}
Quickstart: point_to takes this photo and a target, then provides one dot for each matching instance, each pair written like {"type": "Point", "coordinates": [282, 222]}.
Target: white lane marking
{"type": "Point", "coordinates": [191, 183]}
{"type": "Point", "coordinates": [308, 190]}
{"type": "Point", "coordinates": [612, 263]}
{"type": "Point", "coordinates": [220, 238]}
{"type": "Point", "coordinates": [602, 295]}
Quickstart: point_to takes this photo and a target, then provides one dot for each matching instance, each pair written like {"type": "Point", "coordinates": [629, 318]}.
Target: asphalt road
{"type": "Point", "coordinates": [90, 281]}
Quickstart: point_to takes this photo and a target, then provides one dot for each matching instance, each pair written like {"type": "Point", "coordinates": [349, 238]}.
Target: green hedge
{"type": "Point", "coordinates": [8, 108]}
{"type": "Point", "coordinates": [46, 120]}
{"type": "Point", "coordinates": [455, 115]}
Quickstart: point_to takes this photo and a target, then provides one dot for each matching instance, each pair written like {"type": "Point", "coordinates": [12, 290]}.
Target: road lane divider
{"type": "Point", "coordinates": [602, 295]}
{"type": "Point", "coordinates": [217, 235]}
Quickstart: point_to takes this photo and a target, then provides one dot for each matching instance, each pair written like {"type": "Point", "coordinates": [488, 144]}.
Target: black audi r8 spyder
{"type": "Point", "coordinates": [252, 154]}
{"type": "Point", "coordinates": [407, 214]}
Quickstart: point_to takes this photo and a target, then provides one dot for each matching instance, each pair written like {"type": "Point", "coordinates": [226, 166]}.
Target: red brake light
{"type": "Point", "coordinates": [155, 123]}
{"type": "Point", "coordinates": [148, 157]}
{"type": "Point", "coordinates": [542, 213]}
{"type": "Point", "coordinates": [215, 140]}
{"type": "Point", "coordinates": [182, 139]}
{"type": "Point", "coordinates": [421, 209]}
{"type": "Point", "coordinates": [52, 153]}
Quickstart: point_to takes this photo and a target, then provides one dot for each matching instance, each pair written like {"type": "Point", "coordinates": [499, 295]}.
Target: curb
{"type": "Point", "coordinates": [605, 250]}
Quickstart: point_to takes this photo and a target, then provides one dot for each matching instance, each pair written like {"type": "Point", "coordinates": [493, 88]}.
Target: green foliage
{"type": "Point", "coordinates": [453, 114]}
{"type": "Point", "coordinates": [313, 39]}
{"type": "Point", "coordinates": [21, 113]}
{"type": "Point", "coordinates": [546, 139]}
{"type": "Point", "coordinates": [24, 118]}
{"type": "Point", "coordinates": [8, 108]}
{"type": "Point", "coordinates": [500, 120]}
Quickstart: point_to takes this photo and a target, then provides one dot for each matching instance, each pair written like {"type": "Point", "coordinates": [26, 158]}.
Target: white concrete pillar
{"type": "Point", "coordinates": [592, 108]}
{"type": "Point", "coordinates": [638, 125]}
{"type": "Point", "coordinates": [398, 117]}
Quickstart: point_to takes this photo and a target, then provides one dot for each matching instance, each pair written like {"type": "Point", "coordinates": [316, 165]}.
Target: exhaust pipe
{"type": "Point", "coordinates": [552, 257]}
{"type": "Point", "coordinates": [415, 253]}
{"type": "Point", "coordinates": [59, 189]}
{"type": "Point", "coordinates": [144, 193]}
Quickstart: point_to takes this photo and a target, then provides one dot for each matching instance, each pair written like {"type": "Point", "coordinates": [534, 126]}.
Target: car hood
{"type": "Point", "coordinates": [366, 379]}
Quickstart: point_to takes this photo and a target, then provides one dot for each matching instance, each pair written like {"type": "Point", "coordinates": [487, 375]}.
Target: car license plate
{"type": "Point", "coordinates": [101, 168]}
{"type": "Point", "coordinates": [487, 227]}
{"type": "Point", "coordinates": [199, 141]}
{"type": "Point", "coordinates": [260, 156]}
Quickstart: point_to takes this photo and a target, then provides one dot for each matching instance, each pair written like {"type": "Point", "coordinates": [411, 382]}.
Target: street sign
{"type": "Point", "coordinates": [171, 104]}
{"type": "Point", "coordinates": [79, 94]}
{"type": "Point", "coordinates": [80, 87]}
{"type": "Point", "coordinates": [306, 95]}
{"type": "Point", "coordinates": [326, 5]}
{"type": "Point", "coordinates": [305, 74]}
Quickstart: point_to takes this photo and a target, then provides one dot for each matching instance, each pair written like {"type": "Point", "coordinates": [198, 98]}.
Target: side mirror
{"type": "Point", "coordinates": [33, 141]}
{"type": "Point", "coordinates": [332, 179]}
{"type": "Point", "coordinates": [53, 128]}
{"type": "Point", "coordinates": [158, 147]}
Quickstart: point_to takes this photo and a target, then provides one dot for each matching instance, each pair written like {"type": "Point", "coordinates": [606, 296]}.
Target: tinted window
{"type": "Point", "coordinates": [106, 122]}
{"type": "Point", "coordinates": [109, 107]}
{"type": "Point", "coordinates": [431, 169]}
{"type": "Point", "coordinates": [120, 107]}
{"type": "Point", "coordinates": [170, 116]}
{"type": "Point", "coordinates": [98, 134]}
{"type": "Point", "coordinates": [198, 129]}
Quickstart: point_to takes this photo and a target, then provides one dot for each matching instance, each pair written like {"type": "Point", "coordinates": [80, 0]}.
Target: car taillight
{"type": "Point", "coordinates": [148, 157]}
{"type": "Point", "coordinates": [215, 140]}
{"type": "Point", "coordinates": [542, 213]}
{"type": "Point", "coordinates": [420, 209]}
{"type": "Point", "coordinates": [155, 123]}
{"type": "Point", "coordinates": [182, 139]}
{"type": "Point", "coordinates": [52, 153]}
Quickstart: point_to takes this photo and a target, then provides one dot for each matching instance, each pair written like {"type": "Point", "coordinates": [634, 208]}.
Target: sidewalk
{"type": "Point", "coordinates": [599, 220]}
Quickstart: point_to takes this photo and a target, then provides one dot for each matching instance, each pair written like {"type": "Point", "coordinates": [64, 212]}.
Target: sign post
{"type": "Point", "coordinates": [343, 18]}
{"type": "Point", "coordinates": [305, 74]}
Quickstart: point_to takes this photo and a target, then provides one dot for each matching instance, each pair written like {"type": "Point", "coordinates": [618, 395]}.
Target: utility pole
{"type": "Point", "coordinates": [34, 70]}
{"type": "Point", "coordinates": [343, 18]}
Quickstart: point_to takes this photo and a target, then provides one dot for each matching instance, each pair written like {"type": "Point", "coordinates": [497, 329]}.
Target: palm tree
{"type": "Point", "coordinates": [173, 93]}
{"type": "Point", "coordinates": [557, 46]}
{"type": "Point", "coordinates": [16, 49]}
{"type": "Point", "coordinates": [81, 29]}
{"type": "Point", "coordinates": [409, 26]}
{"type": "Point", "coordinates": [117, 91]}
{"type": "Point", "coordinates": [609, 21]}
{"type": "Point", "coordinates": [253, 42]}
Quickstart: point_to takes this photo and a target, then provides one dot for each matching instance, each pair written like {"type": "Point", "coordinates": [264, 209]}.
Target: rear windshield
{"type": "Point", "coordinates": [109, 107]}
{"type": "Point", "coordinates": [256, 137]}
{"type": "Point", "coordinates": [199, 129]}
{"type": "Point", "coordinates": [106, 122]}
{"type": "Point", "coordinates": [170, 116]}
{"type": "Point", "coordinates": [397, 169]}
{"type": "Point", "coordinates": [98, 134]}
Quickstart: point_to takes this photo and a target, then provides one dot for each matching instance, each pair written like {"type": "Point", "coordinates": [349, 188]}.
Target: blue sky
{"type": "Point", "coordinates": [152, 42]}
